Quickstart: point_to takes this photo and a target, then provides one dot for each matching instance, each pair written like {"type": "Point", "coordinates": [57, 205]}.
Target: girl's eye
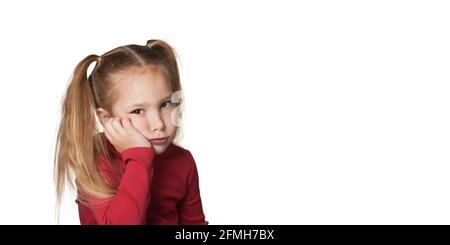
{"type": "Point", "coordinates": [137, 110]}
{"type": "Point", "coordinates": [166, 104]}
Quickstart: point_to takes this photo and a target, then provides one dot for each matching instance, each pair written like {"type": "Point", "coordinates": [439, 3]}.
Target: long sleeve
{"type": "Point", "coordinates": [191, 210]}
{"type": "Point", "coordinates": [129, 205]}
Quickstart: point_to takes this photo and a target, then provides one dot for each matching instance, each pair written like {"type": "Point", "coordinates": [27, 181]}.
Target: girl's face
{"type": "Point", "coordinates": [144, 95]}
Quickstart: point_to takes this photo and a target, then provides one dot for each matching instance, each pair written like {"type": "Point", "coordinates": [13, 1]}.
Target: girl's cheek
{"type": "Point", "coordinates": [167, 123]}
{"type": "Point", "coordinates": [141, 124]}
{"type": "Point", "coordinates": [167, 118]}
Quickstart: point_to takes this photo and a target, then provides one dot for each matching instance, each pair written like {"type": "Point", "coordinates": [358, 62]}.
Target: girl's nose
{"type": "Point", "coordinates": [155, 121]}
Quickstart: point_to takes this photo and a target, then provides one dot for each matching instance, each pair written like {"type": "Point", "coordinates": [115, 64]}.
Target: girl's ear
{"type": "Point", "coordinates": [103, 115]}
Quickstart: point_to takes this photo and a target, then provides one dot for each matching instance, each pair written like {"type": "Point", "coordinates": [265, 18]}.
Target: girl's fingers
{"type": "Point", "coordinates": [107, 134]}
{"type": "Point", "coordinates": [128, 125]}
{"type": "Point", "coordinates": [108, 128]}
{"type": "Point", "coordinates": [116, 124]}
{"type": "Point", "coordinates": [126, 122]}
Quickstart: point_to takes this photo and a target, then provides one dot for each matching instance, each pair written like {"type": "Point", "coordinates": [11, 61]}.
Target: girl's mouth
{"type": "Point", "coordinates": [159, 141]}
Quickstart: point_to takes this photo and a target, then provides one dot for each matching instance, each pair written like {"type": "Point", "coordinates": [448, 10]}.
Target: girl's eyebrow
{"type": "Point", "coordinates": [137, 104]}
{"type": "Point", "coordinates": [167, 97]}
{"type": "Point", "coordinates": [145, 103]}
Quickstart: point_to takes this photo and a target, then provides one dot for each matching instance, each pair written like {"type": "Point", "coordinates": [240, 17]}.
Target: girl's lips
{"type": "Point", "coordinates": [159, 141]}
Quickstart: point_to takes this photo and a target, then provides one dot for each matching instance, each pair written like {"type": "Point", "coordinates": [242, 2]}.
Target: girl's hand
{"type": "Point", "coordinates": [123, 135]}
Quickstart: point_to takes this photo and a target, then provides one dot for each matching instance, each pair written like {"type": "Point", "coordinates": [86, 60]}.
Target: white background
{"type": "Point", "coordinates": [297, 112]}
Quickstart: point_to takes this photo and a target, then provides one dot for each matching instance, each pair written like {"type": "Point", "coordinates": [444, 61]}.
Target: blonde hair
{"type": "Point", "coordinates": [79, 142]}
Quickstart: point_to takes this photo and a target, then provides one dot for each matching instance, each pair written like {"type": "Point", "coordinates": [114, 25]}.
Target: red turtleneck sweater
{"type": "Point", "coordinates": [153, 189]}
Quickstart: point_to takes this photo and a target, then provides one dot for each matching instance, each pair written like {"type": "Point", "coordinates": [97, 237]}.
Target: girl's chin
{"type": "Point", "coordinates": [159, 149]}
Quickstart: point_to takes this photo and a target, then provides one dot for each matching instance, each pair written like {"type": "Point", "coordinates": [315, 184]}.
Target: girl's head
{"type": "Point", "coordinates": [134, 81]}
{"type": "Point", "coordinates": [138, 82]}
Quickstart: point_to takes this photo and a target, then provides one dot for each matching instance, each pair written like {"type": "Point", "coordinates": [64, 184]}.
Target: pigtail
{"type": "Point", "coordinates": [78, 139]}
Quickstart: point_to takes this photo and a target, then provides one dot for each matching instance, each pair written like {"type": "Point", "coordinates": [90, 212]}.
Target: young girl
{"type": "Point", "coordinates": [132, 172]}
